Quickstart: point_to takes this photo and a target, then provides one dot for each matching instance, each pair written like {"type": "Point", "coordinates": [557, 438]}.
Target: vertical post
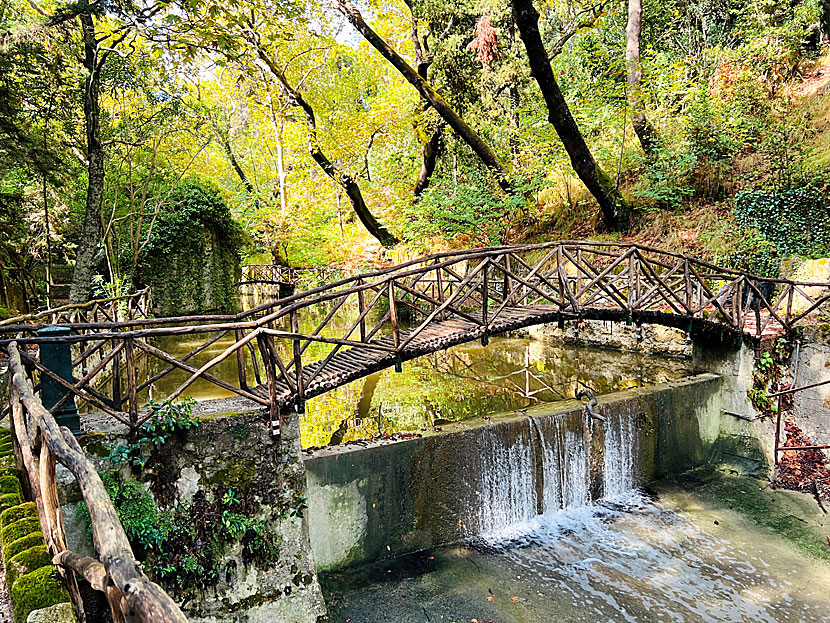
{"type": "Point", "coordinates": [393, 318]}
{"type": "Point", "coordinates": [116, 381]}
{"type": "Point", "coordinates": [630, 294]}
{"type": "Point", "coordinates": [240, 361]}
{"type": "Point", "coordinates": [132, 399]}
{"type": "Point", "coordinates": [265, 343]}
{"type": "Point", "coordinates": [687, 280]}
{"type": "Point", "coordinates": [57, 357]}
{"type": "Point", "coordinates": [440, 297]}
{"type": "Point", "coordinates": [485, 301]}
{"type": "Point", "coordinates": [361, 307]}
{"type": "Point", "coordinates": [578, 282]}
{"type": "Point", "coordinates": [507, 289]}
{"type": "Point", "coordinates": [298, 363]}
{"type": "Point", "coordinates": [789, 305]}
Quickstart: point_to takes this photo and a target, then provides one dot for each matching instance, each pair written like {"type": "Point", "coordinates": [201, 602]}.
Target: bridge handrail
{"type": "Point", "coordinates": [561, 281]}
{"type": "Point", "coordinates": [132, 595]}
{"type": "Point", "coordinates": [137, 302]}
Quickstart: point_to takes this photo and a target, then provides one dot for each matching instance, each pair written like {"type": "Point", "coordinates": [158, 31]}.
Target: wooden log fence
{"type": "Point", "coordinates": [289, 350]}
{"type": "Point", "coordinates": [39, 443]}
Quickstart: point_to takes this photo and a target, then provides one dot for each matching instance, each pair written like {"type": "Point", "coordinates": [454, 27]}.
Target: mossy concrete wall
{"type": "Point", "coordinates": [195, 468]}
{"type": "Point", "coordinates": [388, 498]}
{"type": "Point", "coordinates": [811, 407]}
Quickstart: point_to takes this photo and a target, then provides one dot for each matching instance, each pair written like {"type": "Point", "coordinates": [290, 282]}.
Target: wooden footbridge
{"type": "Point", "coordinates": [292, 349]}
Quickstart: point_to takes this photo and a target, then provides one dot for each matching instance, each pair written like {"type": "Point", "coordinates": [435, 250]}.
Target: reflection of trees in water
{"type": "Point", "coordinates": [361, 411]}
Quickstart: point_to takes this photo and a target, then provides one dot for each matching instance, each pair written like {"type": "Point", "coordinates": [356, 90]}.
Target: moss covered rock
{"type": "Point", "coordinates": [10, 550]}
{"type": "Point", "coordinates": [16, 513]}
{"type": "Point", "coordinates": [18, 529]}
{"type": "Point", "coordinates": [8, 471]}
{"type": "Point", "coordinates": [10, 484]}
{"type": "Point", "coordinates": [39, 589]}
{"type": "Point", "coordinates": [7, 461]}
{"type": "Point", "coordinates": [10, 499]}
{"type": "Point", "coordinates": [27, 561]}
{"type": "Point", "coordinates": [6, 448]}
{"type": "Point", "coordinates": [59, 613]}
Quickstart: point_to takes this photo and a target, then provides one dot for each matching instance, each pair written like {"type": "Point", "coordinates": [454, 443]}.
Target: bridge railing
{"type": "Point", "coordinates": [112, 309]}
{"type": "Point", "coordinates": [39, 443]}
{"type": "Point", "coordinates": [283, 352]}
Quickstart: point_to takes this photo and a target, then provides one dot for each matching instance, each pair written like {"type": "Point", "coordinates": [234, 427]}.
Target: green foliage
{"type": "Point", "coordinates": [168, 418]}
{"type": "Point", "coordinates": [27, 561]}
{"type": "Point", "coordinates": [793, 221]}
{"type": "Point", "coordinates": [770, 367]}
{"type": "Point", "coordinates": [15, 513]}
{"type": "Point", "coordinates": [192, 255]}
{"type": "Point", "coordinates": [39, 589]}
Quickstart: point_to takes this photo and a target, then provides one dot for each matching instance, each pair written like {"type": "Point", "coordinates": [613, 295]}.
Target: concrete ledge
{"type": "Point", "coordinates": [388, 498]}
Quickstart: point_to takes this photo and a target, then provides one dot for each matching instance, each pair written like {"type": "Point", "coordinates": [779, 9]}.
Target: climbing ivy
{"type": "Point", "coordinates": [770, 367]}
{"type": "Point", "coordinates": [193, 253]}
{"type": "Point", "coordinates": [793, 221]}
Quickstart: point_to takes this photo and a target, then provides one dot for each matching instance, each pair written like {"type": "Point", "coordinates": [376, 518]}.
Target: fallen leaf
{"type": "Point", "coordinates": [491, 599]}
{"type": "Point", "coordinates": [514, 598]}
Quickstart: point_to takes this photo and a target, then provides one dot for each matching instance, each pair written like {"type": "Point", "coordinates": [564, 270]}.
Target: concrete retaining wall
{"type": "Point", "coordinates": [367, 502]}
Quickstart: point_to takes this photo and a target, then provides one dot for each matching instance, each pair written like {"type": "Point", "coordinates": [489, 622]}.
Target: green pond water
{"type": "Point", "coordinates": [437, 390]}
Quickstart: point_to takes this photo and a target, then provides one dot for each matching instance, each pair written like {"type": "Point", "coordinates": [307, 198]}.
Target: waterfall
{"type": "Point", "coordinates": [506, 495]}
{"type": "Point", "coordinates": [546, 467]}
{"type": "Point", "coordinates": [619, 473]}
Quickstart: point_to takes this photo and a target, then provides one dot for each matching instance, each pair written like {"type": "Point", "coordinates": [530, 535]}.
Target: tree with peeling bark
{"type": "Point", "coordinates": [643, 128]}
{"type": "Point", "coordinates": [615, 210]}
{"type": "Point", "coordinates": [481, 148]}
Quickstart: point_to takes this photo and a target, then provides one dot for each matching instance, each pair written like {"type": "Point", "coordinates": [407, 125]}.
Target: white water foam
{"type": "Point", "coordinates": [619, 472]}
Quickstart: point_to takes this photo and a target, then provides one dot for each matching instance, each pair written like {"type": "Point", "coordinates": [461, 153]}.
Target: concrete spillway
{"type": "Point", "coordinates": [490, 476]}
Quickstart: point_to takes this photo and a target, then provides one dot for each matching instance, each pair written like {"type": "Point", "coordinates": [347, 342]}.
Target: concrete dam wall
{"type": "Point", "coordinates": [381, 499]}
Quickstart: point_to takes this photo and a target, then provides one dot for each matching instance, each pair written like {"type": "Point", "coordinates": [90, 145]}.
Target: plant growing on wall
{"type": "Point", "coordinates": [192, 256]}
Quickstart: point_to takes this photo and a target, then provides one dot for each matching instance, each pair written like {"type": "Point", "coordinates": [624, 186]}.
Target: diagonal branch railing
{"type": "Point", "coordinates": [305, 344]}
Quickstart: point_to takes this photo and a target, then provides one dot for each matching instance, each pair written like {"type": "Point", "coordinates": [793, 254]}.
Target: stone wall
{"type": "Point", "coordinates": [811, 407]}
{"type": "Point", "coordinates": [389, 498]}
{"type": "Point", "coordinates": [195, 469]}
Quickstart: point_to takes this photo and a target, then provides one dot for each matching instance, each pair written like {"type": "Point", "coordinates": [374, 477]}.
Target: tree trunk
{"type": "Point", "coordinates": [614, 209]}
{"type": "Point", "coordinates": [642, 125]}
{"type": "Point", "coordinates": [79, 291]}
{"type": "Point", "coordinates": [344, 180]}
{"type": "Point", "coordinates": [430, 149]}
{"type": "Point", "coordinates": [467, 134]}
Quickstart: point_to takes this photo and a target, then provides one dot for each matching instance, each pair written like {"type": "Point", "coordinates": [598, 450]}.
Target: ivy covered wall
{"type": "Point", "coordinates": [192, 258]}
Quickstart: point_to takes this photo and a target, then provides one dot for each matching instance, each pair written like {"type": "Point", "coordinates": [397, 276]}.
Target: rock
{"type": "Point", "coordinates": [59, 613]}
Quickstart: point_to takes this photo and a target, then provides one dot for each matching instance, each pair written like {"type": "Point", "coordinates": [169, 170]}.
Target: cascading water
{"type": "Point", "coordinates": [552, 461]}
{"type": "Point", "coordinates": [619, 473]}
{"type": "Point", "coordinates": [506, 493]}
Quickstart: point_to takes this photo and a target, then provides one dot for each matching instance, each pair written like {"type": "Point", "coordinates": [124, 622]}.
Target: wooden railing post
{"type": "Point", "coordinates": [485, 301]}
{"type": "Point", "coordinates": [361, 307]}
{"type": "Point", "coordinates": [507, 287]}
{"type": "Point", "coordinates": [132, 383]}
{"type": "Point", "coordinates": [298, 362]}
{"type": "Point", "coordinates": [440, 298]}
{"type": "Point", "coordinates": [266, 346]}
{"type": "Point", "coordinates": [117, 402]}
{"type": "Point", "coordinates": [240, 361]}
{"type": "Point", "coordinates": [396, 331]}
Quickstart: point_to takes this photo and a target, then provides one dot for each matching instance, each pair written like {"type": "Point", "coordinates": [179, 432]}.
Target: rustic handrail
{"type": "Point", "coordinates": [382, 318]}
{"type": "Point", "coordinates": [131, 595]}
{"type": "Point", "coordinates": [140, 298]}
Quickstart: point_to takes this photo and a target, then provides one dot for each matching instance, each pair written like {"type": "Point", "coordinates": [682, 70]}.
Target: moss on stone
{"type": "Point", "coordinates": [10, 484]}
{"type": "Point", "coordinates": [6, 447]}
{"type": "Point", "coordinates": [10, 550]}
{"type": "Point", "coordinates": [16, 513]}
{"type": "Point", "coordinates": [39, 589]}
{"type": "Point", "coordinates": [18, 530]}
{"type": "Point", "coordinates": [236, 476]}
{"type": "Point", "coordinates": [8, 461]}
{"type": "Point", "coordinates": [10, 499]}
{"type": "Point", "coordinates": [27, 561]}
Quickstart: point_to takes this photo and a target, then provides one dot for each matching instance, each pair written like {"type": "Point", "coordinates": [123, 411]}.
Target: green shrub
{"type": "Point", "coordinates": [39, 589]}
{"type": "Point", "coordinates": [10, 484]}
{"type": "Point", "coordinates": [27, 561]}
{"type": "Point", "coordinates": [18, 529]}
{"type": "Point", "coordinates": [10, 550]}
{"type": "Point", "coordinates": [16, 513]}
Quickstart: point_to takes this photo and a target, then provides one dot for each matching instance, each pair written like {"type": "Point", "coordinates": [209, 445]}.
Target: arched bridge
{"type": "Point", "coordinates": [289, 350]}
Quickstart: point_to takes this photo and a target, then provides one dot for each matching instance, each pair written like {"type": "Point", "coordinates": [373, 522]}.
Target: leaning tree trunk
{"type": "Point", "coordinates": [430, 149]}
{"type": "Point", "coordinates": [642, 125]}
{"type": "Point", "coordinates": [79, 291]}
{"type": "Point", "coordinates": [452, 118]}
{"type": "Point", "coordinates": [615, 213]}
{"type": "Point", "coordinates": [343, 179]}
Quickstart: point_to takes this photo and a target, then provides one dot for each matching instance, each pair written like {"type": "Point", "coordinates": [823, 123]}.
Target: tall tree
{"type": "Point", "coordinates": [615, 211]}
{"type": "Point", "coordinates": [642, 125]}
{"type": "Point", "coordinates": [79, 291]}
{"type": "Point", "coordinates": [447, 113]}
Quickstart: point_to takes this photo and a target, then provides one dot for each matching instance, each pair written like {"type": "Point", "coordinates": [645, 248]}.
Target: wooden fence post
{"type": "Point", "coordinates": [393, 318]}
{"type": "Point", "coordinates": [298, 363]}
{"type": "Point", "coordinates": [485, 300]}
{"type": "Point", "coordinates": [132, 398]}
{"type": "Point", "coordinates": [361, 307]}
